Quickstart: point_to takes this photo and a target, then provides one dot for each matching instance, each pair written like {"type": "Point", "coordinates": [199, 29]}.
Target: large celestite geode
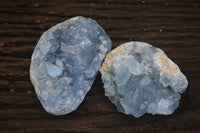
{"type": "Point", "coordinates": [65, 62]}
{"type": "Point", "coordinates": [139, 78]}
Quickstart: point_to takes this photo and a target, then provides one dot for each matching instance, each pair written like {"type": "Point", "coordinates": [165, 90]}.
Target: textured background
{"type": "Point", "coordinates": [170, 25]}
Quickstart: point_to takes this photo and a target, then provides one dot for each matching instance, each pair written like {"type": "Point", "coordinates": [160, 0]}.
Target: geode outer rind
{"type": "Point", "coordinates": [139, 78]}
{"type": "Point", "coordinates": [65, 63]}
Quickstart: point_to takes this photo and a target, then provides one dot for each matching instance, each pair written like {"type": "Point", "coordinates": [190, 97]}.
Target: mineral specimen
{"type": "Point", "coordinates": [139, 78]}
{"type": "Point", "coordinates": [65, 62]}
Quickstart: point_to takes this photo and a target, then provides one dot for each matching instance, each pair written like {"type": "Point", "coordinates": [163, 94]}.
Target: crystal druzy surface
{"type": "Point", "coordinates": [65, 62]}
{"type": "Point", "coordinates": [139, 78]}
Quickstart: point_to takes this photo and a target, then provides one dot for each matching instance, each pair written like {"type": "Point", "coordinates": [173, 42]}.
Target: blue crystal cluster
{"type": "Point", "coordinates": [65, 62]}
{"type": "Point", "coordinates": [139, 78]}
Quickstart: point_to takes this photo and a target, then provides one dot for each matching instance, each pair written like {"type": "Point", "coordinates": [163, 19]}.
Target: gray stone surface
{"type": "Point", "coordinates": [139, 78]}
{"type": "Point", "coordinates": [65, 62]}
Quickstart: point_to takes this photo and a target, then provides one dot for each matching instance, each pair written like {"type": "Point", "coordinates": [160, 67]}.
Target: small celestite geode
{"type": "Point", "coordinates": [65, 62]}
{"type": "Point", "coordinates": [139, 78]}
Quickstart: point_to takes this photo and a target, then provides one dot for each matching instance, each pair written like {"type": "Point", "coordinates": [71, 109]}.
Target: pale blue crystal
{"type": "Point", "coordinates": [65, 63]}
{"type": "Point", "coordinates": [139, 78]}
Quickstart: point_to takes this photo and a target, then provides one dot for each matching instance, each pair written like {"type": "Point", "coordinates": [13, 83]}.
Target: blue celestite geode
{"type": "Point", "coordinates": [139, 78]}
{"type": "Point", "coordinates": [65, 62]}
